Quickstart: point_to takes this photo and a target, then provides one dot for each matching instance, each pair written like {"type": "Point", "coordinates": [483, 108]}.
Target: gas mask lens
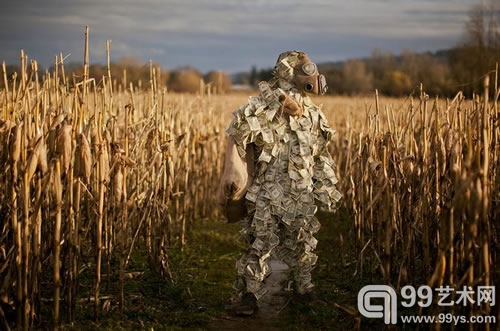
{"type": "Point", "coordinates": [310, 68]}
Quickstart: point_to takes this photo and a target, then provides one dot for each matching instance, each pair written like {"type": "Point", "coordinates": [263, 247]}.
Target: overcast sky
{"type": "Point", "coordinates": [224, 34]}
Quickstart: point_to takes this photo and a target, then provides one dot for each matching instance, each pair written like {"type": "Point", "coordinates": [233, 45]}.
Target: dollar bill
{"type": "Point", "coordinates": [253, 123]}
{"type": "Point", "coordinates": [258, 244]}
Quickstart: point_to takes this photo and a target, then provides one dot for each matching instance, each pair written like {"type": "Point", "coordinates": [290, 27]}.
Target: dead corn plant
{"type": "Point", "coordinates": [421, 183]}
{"type": "Point", "coordinates": [91, 176]}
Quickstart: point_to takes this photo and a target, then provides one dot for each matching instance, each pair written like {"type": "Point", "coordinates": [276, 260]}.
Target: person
{"type": "Point", "coordinates": [277, 166]}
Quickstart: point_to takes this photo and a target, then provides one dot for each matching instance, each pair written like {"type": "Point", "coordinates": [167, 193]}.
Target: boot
{"type": "Point", "coordinates": [247, 306]}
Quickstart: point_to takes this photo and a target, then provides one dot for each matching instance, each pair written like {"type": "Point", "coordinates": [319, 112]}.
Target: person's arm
{"type": "Point", "coordinates": [324, 178]}
{"type": "Point", "coordinates": [237, 176]}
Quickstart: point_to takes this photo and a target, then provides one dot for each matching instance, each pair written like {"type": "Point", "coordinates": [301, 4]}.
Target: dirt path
{"type": "Point", "coordinates": [269, 307]}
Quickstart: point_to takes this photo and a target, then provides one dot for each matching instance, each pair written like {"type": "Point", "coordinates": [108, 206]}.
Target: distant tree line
{"type": "Point", "coordinates": [131, 70]}
{"type": "Point", "coordinates": [390, 74]}
{"type": "Point", "coordinates": [441, 73]}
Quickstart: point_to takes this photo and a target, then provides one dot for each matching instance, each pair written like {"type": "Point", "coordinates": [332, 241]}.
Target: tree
{"type": "Point", "coordinates": [481, 46]}
{"type": "Point", "coordinates": [356, 78]}
{"type": "Point", "coordinates": [219, 80]}
{"type": "Point", "coordinates": [130, 62]}
{"type": "Point", "coordinates": [97, 71]}
{"type": "Point", "coordinates": [264, 75]}
{"type": "Point", "coordinates": [381, 63]}
{"type": "Point", "coordinates": [396, 83]}
{"type": "Point", "coordinates": [185, 80]}
{"type": "Point", "coordinates": [334, 79]}
{"type": "Point", "coordinates": [132, 68]}
{"type": "Point", "coordinates": [433, 72]}
{"type": "Point", "coordinates": [253, 76]}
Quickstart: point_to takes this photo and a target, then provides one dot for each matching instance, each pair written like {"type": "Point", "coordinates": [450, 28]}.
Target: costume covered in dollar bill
{"type": "Point", "coordinates": [280, 141]}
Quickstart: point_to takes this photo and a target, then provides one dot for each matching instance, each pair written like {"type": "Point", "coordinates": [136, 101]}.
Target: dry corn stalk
{"type": "Point", "coordinates": [83, 165]}
{"type": "Point", "coordinates": [64, 146]}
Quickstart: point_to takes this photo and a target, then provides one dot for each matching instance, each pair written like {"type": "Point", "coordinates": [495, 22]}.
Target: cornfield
{"type": "Point", "coordinates": [93, 170]}
{"type": "Point", "coordinates": [421, 183]}
{"type": "Point", "coordinates": [88, 176]}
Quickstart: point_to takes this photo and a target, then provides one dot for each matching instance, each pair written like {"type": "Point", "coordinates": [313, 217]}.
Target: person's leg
{"type": "Point", "coordinates": [295, 249]}
{"type": "Point", "coordinates": [253, 268]}
{"type": "Point", "coordinates": [302, 272]}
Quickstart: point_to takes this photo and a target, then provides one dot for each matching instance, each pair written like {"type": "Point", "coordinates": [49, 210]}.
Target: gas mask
{"type": "Point", "coordinates": [297, 69]}
{"type": "Point", "coordinates": [308, 79]}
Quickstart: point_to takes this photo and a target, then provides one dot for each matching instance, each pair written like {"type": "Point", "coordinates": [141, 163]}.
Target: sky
{"type": "Point", "coordinates": [226, 35]}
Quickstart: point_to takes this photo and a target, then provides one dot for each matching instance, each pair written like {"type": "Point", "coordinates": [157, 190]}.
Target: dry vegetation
{"type": "Point", "coordinates": [420, 179]}
{"type": "Point", "coordinates": [90, 174]}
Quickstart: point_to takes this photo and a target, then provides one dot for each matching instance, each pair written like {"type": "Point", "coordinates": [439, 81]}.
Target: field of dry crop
{"type": "Point", "coordinates": [94, 170]}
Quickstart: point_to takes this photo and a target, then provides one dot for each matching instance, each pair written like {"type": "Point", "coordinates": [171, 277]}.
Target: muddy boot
{"type": "Point", "coordinates": [247, 306]}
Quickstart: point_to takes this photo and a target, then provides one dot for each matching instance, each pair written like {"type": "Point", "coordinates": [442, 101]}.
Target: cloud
{"type": "Point", "coordinates": [227, 34]}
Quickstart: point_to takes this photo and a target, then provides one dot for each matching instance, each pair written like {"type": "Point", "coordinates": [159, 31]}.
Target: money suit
{"type": "Point", "coordinates": [277, 170]}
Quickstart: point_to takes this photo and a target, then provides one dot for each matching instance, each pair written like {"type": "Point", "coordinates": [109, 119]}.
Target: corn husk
{"type": "Point", "coordinates": [64, 146]}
